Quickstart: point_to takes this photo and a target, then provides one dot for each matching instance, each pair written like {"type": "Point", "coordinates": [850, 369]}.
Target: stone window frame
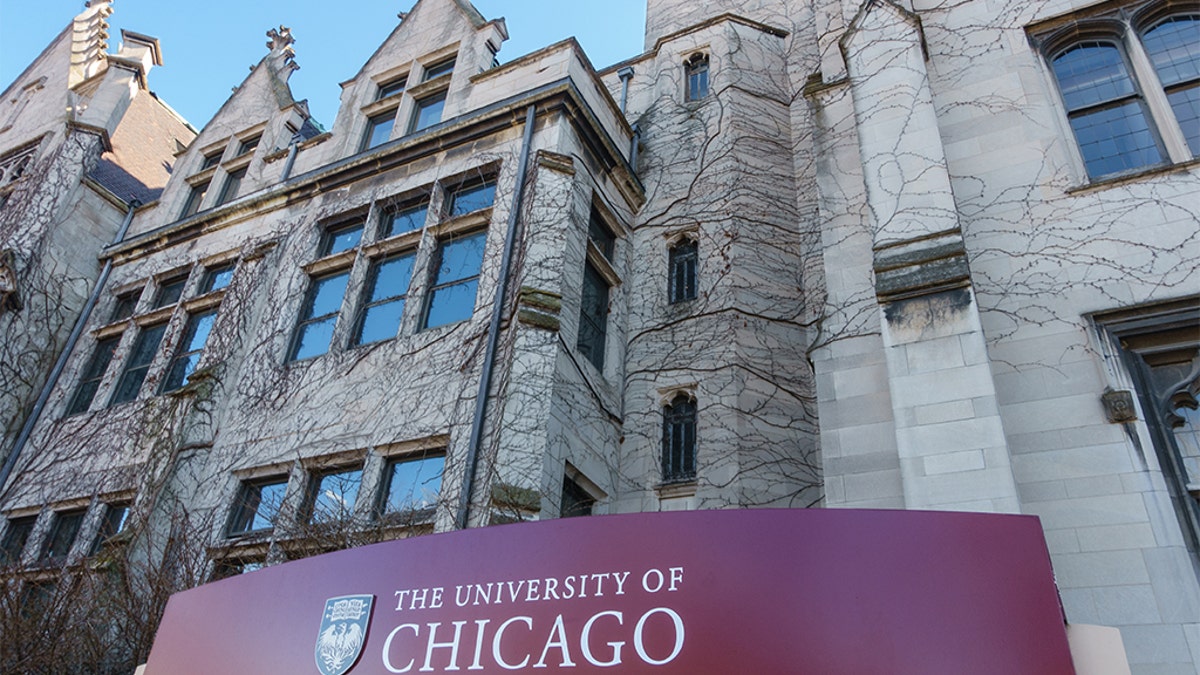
{"type": "Point", "coordinates": [600, 263]}
{"type": "Point", "coordinates": [146, 315]}
{"type": "Point", "coordinates": [1123, 27]}
{"type": "Point", "coordinates": [396, 96]}
{"type": "Point", "coordinates": [670, 400]}
{"type": "Point", "coordinates": [675, 242]}
{"type": "Point", "coordinates": [696, 77]}
{"type": "Point", "coordinates": [240, 149]}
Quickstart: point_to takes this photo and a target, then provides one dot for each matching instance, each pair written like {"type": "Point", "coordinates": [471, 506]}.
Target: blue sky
{"type": "Point", "coordinates": [208, 46]}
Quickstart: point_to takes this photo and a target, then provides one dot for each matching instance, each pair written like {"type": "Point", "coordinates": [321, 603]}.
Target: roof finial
{"type": "Point", "coordinates": [282, 41]}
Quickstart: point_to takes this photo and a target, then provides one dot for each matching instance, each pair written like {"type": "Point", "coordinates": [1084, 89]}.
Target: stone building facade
{"type": "Point", "coordinates": [910, 255]}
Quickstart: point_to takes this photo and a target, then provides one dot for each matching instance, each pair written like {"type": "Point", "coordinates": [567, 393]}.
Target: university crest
{"type": "Point", "coordinates": [343, 632]}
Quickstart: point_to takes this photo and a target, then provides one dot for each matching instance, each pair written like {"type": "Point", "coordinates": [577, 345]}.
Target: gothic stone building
{"type": "Point", "coordinates": [890, 254]}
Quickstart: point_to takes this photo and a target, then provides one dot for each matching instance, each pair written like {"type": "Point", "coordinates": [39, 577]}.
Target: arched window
{"type": "Point", "coordinates": [681, 264]}
{"type": "Point", "coordinates": [1105, 109]}
{"type": "Point", "coordinates": [679, 440]}
{"type": "Point", "coordinates": [696, 72]}
{"type": "Point", "coordinates": [1173, 46]}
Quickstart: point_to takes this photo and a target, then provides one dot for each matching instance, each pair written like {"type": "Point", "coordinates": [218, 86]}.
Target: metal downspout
{"type": "Point", "coordinates": [291, 159]}
{"type": "Point", "coordinates": [65, 354]}
{"type": "Point", "coordinates": [485, 378]}
{"type": "Point", "coordinates": [626, 74]}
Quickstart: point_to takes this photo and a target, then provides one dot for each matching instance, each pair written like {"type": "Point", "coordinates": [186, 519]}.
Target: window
{"type": "Point", "coordinates": [392, 88]}
{"type": "Point", "coordinates": [593, 316]}
{"type": "Point", "coordinates": [63, 531]}
{"type": "Point", "coordinates": [248, 145]}
{"type": "Point", "coordinates": [471, 198]}
{"type": "Point", "coordinates": [599, 234]}
{"type": "Point", "coordinates": [411, 484]}
{"type": "Point", "coordinates": [187, 354]}
{"type": "Point", "coordinates": [233, 567]}
{"type": "Point", "coordinates": [138, 364]}
{"type": "Point", "coordinates": [92, 374]}
{"type": "Point", "coordinates": [379, 129]}
{"type": "Point", "coordinates": [341, 238]}
{"type": "Point", "coordinates": [679, 440]}
{"type": "Point", "coordinates": [216, 278]}
{"type": "Point", "coordinates": [385, 292]}
{"type": "Point", "coordinates": [402, 220]}
{"type": "Point", "coordinates": [233, 183]}
{"type": "Point", "coordinates": [212, 159]}
{"type": "Point", "coordinates": [257, 506]}
{"type": "Point", "coordinates": [429, 112]}
{"type": "Point", "coordinates": [115, 516]}
{"type": "Point", "coordinates": [456, 280]}
{"type": "Point", "coordinates": [15, 536]}
{"type": "Point", "coordinates": [682, 269]}
{"type": "Point", "coordinates": [314, 332]}
{"type": "Point", "coordinates": [696, 72]}
{"type": "Point", "coordinates": [195, 197]}
{"type": "Point", "coordinates": [439, 69]}
{"type": "Point", "coordinates": [332, 494]}
{"type": "Point", "coordinates": [1130, 106]}
{"type": "Point", "coordinates": [169, 291]}
{"type": "Point", "coordinates": [576, 501]}
{"type": "Point", "coordinates": [124, 306]}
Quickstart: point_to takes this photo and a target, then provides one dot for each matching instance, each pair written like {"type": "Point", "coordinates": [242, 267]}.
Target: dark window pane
{"type": "Point", "coordinates": [211, 160]}
{"type": "Point", "coordinates": [599, 233]}
{"type": "Point", "coordinates": [248, 145]}
{"type": "Point", "coordinates": [92, 374]}
{"type": "Point", "coordinates": [169, 292]}
{"type": "Point", "coordinates": [191, 345]}
{"type": "Point", "coordinates": [112, 525]}
{"type": "Point", "coordinates": [429, 112]}
{"type": "Point", "coordinates": [332, 495]}
{"type": "Point", "coordinates": [125, 305]}
{"type": "Point", "coordinates": [15, 536]}
{"type": "Point", "coordinates": [439, 69]}
{"type": "Point", "coordinates": [593, 317]}
{"type": "Point", "coordinates": [379, 129]}
{"type": "Point", "coordinates": [257, 506]}
{"type": "Point", "coordinates": [62, 535]}
{"type": "Point", "coordinates": [341, 239]}
{"type": "Point", "coordinates": [138, 364]}
{"type": "Point", "coordinates": [575, 500]}
{"type": "Point", "coordinates": [216, 278]}
{"type": "Point", "coordinates": [412, 484]}
{"type": "Point", "coordinates": [472, 198]}
{"type": "Point", "coordinates": [679, 440]}
{"type": "Point", "coordinates": [195, 197]}
{"type": "Point", "coordinates": [233, 184]}
{"type": "Point", "coordinates": [408, 219]}
{"type": "Point", "coordinates": [392, 88]}
{"type": "Point", "coordinates": [682, 266]}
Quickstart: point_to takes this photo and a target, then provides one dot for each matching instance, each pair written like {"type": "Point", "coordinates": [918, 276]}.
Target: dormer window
{"type": "Point", "coordinates": [389, 89]}
{"type": "Point", "coordinates": [444, 67]}
{"type": "Point", "coordinates": [429, 112]}
{"type": "Point", "coordinates": [212, 159]}
{"type": "Point", "coordinates": [248, 145]}
{"type": "Point", "coordinates": [379, 129]}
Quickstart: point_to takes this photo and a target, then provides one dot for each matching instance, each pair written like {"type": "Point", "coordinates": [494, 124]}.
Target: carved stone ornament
{"type": "Point", "coordinates": [1118, 406]}
{"type": "Point", "coordinates": [10, 300]}
{"type": "Point", "coordinates": [282, 41]}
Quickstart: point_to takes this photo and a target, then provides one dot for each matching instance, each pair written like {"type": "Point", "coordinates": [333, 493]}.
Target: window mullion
{"type": "Point", "coordinates": [1169, 131]}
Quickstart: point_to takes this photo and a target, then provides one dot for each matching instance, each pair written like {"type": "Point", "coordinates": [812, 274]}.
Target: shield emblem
{"type": "Point", "coordinates": [343, 633]}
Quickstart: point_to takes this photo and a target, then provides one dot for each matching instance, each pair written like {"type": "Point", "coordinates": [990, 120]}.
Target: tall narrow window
{"type": "Point", "coordinates": [386, 290]}
{"type": "Point", "coordinates": [138, 364]}
{"type": "Point", "coordinates": [429, 112]}
{"type": "Point", "coordinates": [187, 355]}
{"type": "Point", "coordinates": [314, 332]}
{"type": "Point", "coordinates": [682, 269]}
{"type": "Point", "coordinates": [575, 500]}
{"type": "Point", "coordinates": [233, 184]}
{"type": "Point", "coordinates": [696, 71]}
{"type": "Point", "coordinates": [593, 316]}
{"type": "Point", "coordinates": [15, 536]}
{"type": "Point", "coordinates": [679, 440]}
{"type": "Point", "coordinates": [379, 129]}
{"type": "Point", "coordinates": [412, 484]}
{"type": "Point", "coordinates": [113, 524]}
{"type": "Point", "coordinates": [1105, 109]}
{"type": "Point", "coordinates": [63, 531]}
{"type": "Point", "coordinates": [331, 495]}
{"type": "Point", "coordinates": [599, 234]}
{"type": "Point", "coordinates": [92, 374]}
{"type": "Point", "coordinates": [456, 280]}
{"type": "Point", "coordinates": [195, 197]}
{"type": "Point", "coordinates": [1174, 49]}
{"type": "Point", "coordinates": [257, 506]}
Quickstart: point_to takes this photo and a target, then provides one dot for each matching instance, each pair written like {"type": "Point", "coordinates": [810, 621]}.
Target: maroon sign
{"type": "Point", "coordinates": [787, 591]}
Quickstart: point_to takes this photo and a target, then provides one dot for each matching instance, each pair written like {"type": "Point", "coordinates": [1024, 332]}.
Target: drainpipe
{"type": "Point", "coordinates": [633, 147]}
{"type": "Point", "coordinates": [626, 74]}
{"type": "Point", "coordinates": [291, 158]}
{"type": "Point", "coordinates": [65, 354]}
{"type": "Point", "coordinates": [485, 378]}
